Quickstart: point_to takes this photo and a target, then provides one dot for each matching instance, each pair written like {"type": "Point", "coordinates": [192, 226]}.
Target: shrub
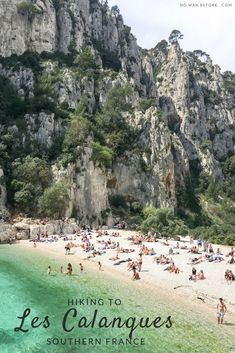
{"type": "Point", "coordinates": [77, 134]}
{"type": "Point", "coordinates": [211, 97]}
{"type": "Point", "coordinates": [12, 107]}
{"type": "Point", "coordinates": [30, 177]}
{"type": "Point", "coordinates": [54, 201]}
{"type": "Point", "coordinates": [86, 60]}
{"type": "Point", "coordinates": [102, 154]}
{"type": "Point", "coordinates": [25, 8]}
{"type": "Point", "coordinates": [146, 104]}
{"type": "Point", "coordinates": [163, 222]}
{"type": "Point", "coordinates": [229, 81]}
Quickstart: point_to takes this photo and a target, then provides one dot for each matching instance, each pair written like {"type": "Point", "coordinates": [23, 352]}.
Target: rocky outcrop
{"type": "Point", "coordinates": [3, 195]}
{"type": "Point", "coordinates": [193, 96]}
{"type": "Point", "coordinates": [21, 78]}
{"type": "Point", "coordinates": [42, 129]}
{"type": "Point", "coordinates": [6, 232]}
{"type": "Point", "coordinates": [188, 116]}
{"type": "Point", "coordinates": [50, 25]}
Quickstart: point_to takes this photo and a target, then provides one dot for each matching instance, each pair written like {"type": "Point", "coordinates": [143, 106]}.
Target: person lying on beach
{"type": "Point", "coordinates": [172, 268]}
{"type": "Point", "coordinates": [115, 234]}
{"type": "Point", "coordinates": [214, 258]}
{"type": "Point", "coordinates": [194, 250]}
{"type": "Point", "coordinates": [114, 258]}
{"type": "Point", "coordinates": [201, 275]}
{"type": "Point", "coordinates": [183, 247]}
{"type": "Point", "coordinates": [123, 261]}
{"type": "Point", "coordinates": [195, 260]}
{"type": "Point", "coordinates": [149, 239]}
{"type": "Point", "coordinates": [122, 250]}
{"type": "Point", "coordinates": [162, 260]}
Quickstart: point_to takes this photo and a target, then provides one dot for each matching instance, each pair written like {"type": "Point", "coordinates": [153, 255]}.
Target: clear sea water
{"type": "Point", "coordinates": [24, 283]}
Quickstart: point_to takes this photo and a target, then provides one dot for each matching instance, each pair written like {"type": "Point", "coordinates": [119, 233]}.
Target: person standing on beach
{"type": "Point", "coordinates": [100, 266]}
{"type": "Point", "coordinates": [69, 269]}
{"type": "Point", "coordinates": [221, 310]}
{"type": "Point", "coordinates": [81, 267]}
{"type": "Point", "coordinates": [140, 262]}
{"type": "Point", "coordinates": [49, 270]}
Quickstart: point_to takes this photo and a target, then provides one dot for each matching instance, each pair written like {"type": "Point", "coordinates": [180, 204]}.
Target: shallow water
{"type": "Point", "coordinates": [24, 283]}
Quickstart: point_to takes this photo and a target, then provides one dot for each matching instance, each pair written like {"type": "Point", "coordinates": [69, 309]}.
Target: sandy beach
{"type": "Point", "coordinates": [202, 295]}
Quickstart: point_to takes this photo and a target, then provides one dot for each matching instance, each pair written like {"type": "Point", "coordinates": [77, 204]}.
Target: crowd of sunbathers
{"type": "Point", "coordinates": [93, 244]}
{"type": "Point", "coordinates": [203, 249]}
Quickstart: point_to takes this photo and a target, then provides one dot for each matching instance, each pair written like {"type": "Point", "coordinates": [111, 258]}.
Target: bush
{"type": "Point", "coordinates": [30, 177]}
{"type": "Point", "coordinates": [25, 8]}
{"type": "Point", "coordinates": [77, 134]}
{"type": "Point", "coordinates": [86, 60]}
{"type": "Point", "coordinates": [102, 154]}
{"type": "Point", "coordinates": [112, 129]}
{"type": "Point", "coordinates": [163, 222]}
{"type": "Point", "coordinates": [211, 97]}
{"type": "Point", "coordinates": [229, 81]}
{"type": "Point", "coordinates": [54, 201]}
{"type": "Point", "coordinates": [12, 107]}
{"type": "Point", "coordinates": [146, 104]}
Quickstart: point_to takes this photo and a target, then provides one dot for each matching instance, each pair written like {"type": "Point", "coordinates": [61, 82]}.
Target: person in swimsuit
{"type": "Point", "coordinates": [81, 267]}
{"type": "Point", "coordinates": [69, 269]}
{"type": "Point", "coordinates": [49, 270]}
{"type": "Point", "coordinates": [221, 310]}
{"type": "Point", "coordinates": [100, 266]}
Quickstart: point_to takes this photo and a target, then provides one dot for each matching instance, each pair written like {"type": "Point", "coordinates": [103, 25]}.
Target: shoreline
{"type": "Point", "coordinates": [184, 295]}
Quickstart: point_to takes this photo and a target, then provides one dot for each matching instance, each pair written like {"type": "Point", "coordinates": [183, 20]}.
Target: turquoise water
{"type": "Point", "coordinates": [25, 284]}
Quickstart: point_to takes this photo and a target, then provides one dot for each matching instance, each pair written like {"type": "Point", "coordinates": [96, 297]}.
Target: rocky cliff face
{"type": "Point", "coordinates": [56, 25]}
{"type": "Point", "coordinates": [181, 111]}
{"type": "Point", "coordinates": [203, 109]}
{"type": "Point", "coordinates": [3, 194]}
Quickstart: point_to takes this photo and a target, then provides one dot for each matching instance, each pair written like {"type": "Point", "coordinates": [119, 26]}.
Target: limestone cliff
{"type": "Point", "coordinates": [181, 108]}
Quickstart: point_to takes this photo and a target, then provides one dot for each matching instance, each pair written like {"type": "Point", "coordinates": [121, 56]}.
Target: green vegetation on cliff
{"type": "Point", "coordinates": [103, 124]}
